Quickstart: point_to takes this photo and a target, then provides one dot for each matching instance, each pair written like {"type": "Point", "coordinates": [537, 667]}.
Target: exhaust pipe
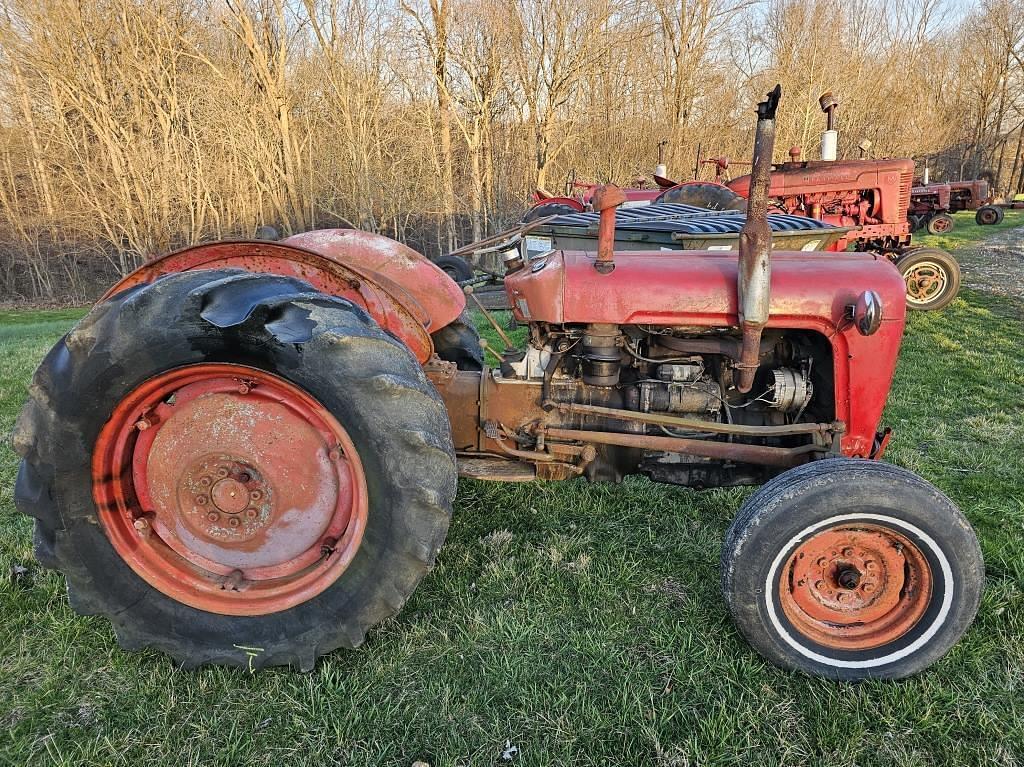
{"type": "Point", "coordinates": [830, 138]}
{"type": "Point", "coordinates": [753, 285]}
{"type": "Point", "coordinates": [606, 199]}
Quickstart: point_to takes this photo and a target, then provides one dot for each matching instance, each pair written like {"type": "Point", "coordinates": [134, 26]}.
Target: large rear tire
{"type": "Point", "coordinates": [546, 209]}
{"type": "Point", "coordinates": [851, 569]}
{"type": "Point", "coordinates": [169, 405]}
{"type": "Point", "coordinates": [455, 267]}
{"type": "Point", "coordinates": [932, 277]}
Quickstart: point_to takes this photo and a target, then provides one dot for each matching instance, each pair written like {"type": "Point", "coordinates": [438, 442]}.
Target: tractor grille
{"type": "Point", "coordinates": [906, 182]}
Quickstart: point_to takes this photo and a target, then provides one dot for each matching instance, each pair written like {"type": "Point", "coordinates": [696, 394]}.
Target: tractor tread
{"type": "Point", "coordinates": [332, 347]}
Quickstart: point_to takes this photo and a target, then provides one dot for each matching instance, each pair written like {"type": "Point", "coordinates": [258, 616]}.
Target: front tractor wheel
{"type": "Point", "coordinates": [940, 223]}
{"type": "Point", "coordinates": [235, 469]}
{"type": "Point", "coordinates": [851, 569]}
{"type": "Point", "coordinates": [932, 277]}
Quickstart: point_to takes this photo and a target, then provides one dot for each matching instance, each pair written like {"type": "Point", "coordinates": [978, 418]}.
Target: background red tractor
{"type": "Point", "coordinates": [247, 452]}
{"type": "Point", "coordinates": [929, 208]}
{"type": "Point", "coordinates": [874, 197]}
{"type": "Point", "coordinates": [931, 204]}
{"type": "Point", "coordinates": [974, 195]}
{"type": "Point", "coordinates": [871, 198]}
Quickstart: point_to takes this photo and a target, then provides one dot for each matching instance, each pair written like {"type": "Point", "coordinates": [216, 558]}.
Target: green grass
{"type": "Point", "coordinates": [965, 232]}
{"type": "Point", "coordinates": [580, 623]}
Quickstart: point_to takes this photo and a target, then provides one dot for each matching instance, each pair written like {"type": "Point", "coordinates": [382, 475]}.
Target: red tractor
{"type": "Point", "coordinates": [931, 204]}
{"type": "Point", "coordinates": [974, 195]}
{"type": "Point", "coordinates": [247, 452]}
{"type": "Point", "coordinates": [872, 196]}
{"type": "Point", "coordinates": [929, 208]}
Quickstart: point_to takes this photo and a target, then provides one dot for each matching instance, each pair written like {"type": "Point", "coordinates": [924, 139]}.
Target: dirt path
{"type": "Point", "coordinates": [996, 264]}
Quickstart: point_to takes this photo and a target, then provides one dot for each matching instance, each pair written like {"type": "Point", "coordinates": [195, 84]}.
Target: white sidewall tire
{"type": "Point", "coordinates": [812, 498]}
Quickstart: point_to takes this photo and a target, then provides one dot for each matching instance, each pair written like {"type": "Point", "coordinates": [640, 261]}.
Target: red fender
{"type": "Point", "coordinates": [572, 202]}
{"type": "Point", "coordinates": [402, 290]}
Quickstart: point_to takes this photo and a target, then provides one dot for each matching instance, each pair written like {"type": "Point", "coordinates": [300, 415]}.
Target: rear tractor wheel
{"type": "Point", "coordinates": [987, 215]}
{"type": "Point", "coordinates": [456, 268]}
{"type": "Point", "coordinates": [459, 342]}
{"type": "Point", "coordinates": [235, 469]}
{"type": "Point", "coordinates": [932, 277]}
{"type": "Point", "coordinates": [851, 569]}
{"type": "Point", "coordinates": [546, 209]}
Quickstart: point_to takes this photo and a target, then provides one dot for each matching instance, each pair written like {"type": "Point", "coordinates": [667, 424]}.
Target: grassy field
{"type": "Point", "coordinates": [580, 624]}
{"type": "Point", "coordinates": [965, 231]}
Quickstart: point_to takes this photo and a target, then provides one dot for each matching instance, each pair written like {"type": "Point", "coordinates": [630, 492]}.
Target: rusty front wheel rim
{"type": "Point", "coordinates": [925, 282]}
{"type": "Point", "coordinates": [855, 587]}
{"type": "Point", "coordinates": [229, 489]}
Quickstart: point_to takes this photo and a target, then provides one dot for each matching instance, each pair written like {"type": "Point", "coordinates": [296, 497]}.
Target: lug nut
{"type": "Point", "coordinates": [847, 552]}
{"type": "Point", "coordinates": [234, 521]}
{"type": "Point", "coordinates": [205, 481]}
{"type": "Point", "coordinates": [255, 495]}
{"type": "Point", "coordinates": [202, 500]}
{"type": "Point", "coordinates": [213, 516]}
{"type": "Point", "coordinates": [141, 524]}
{"type": "Point", "coordinates": [251, 513]}
{"type": "Point", "coordinates": [334, 454]}
{"type": "Point", "coordinates": [222, 472]}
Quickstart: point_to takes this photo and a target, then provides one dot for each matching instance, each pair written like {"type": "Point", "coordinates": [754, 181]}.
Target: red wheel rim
{"type": "Point", "coordinates": [229, 489]}
{"type": "Point", "coordinates": [855, 588]}
{"type": "Point", "coordinates": [942, 225]}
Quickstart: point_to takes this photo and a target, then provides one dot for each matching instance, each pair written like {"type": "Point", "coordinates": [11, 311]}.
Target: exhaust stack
{"type": "Point", "coordinates": [606, 199]}
{"type": "Point", "coordinates": [753, 286]}
{"type": "Point", "coordinates": [830, 138]}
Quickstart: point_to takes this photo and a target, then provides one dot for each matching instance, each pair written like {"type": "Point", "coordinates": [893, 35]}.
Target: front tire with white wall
{"type": "Point", "coordinates": [851, 569]}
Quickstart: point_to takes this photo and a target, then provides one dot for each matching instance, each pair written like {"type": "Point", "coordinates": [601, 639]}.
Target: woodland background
{"type": "Point", "coordinates": [131, 127]}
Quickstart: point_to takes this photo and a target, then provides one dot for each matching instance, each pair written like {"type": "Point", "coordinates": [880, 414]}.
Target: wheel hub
{"type": "Point", "coordinates": [855, 588]}
{"type": "Point", "coordinates": [224, 499]}
{"type": "Point", "coordinates": [230, 489]}
{"type": "Point", "coordinates": [924, 281]}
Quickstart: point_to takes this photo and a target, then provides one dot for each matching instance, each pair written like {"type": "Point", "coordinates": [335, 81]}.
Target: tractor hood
{"type": "Point", "coordinates": [698, 289]}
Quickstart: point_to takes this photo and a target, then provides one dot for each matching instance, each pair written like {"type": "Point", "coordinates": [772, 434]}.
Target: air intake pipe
{"type": "Point", "coordinates": [753, 284]}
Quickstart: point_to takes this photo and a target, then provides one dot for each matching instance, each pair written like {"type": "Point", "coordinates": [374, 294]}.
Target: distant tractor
{"type": "Point", "coordinates": [872, 197]}
{"type": "Point", "coordinates": [929, 208]}
{"type": "Point", "coordinates": [974, 195]}
{"type": "Point", "coordinates": [247, 452]}
{"type": "Point", "coordinates": [931, 204]}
